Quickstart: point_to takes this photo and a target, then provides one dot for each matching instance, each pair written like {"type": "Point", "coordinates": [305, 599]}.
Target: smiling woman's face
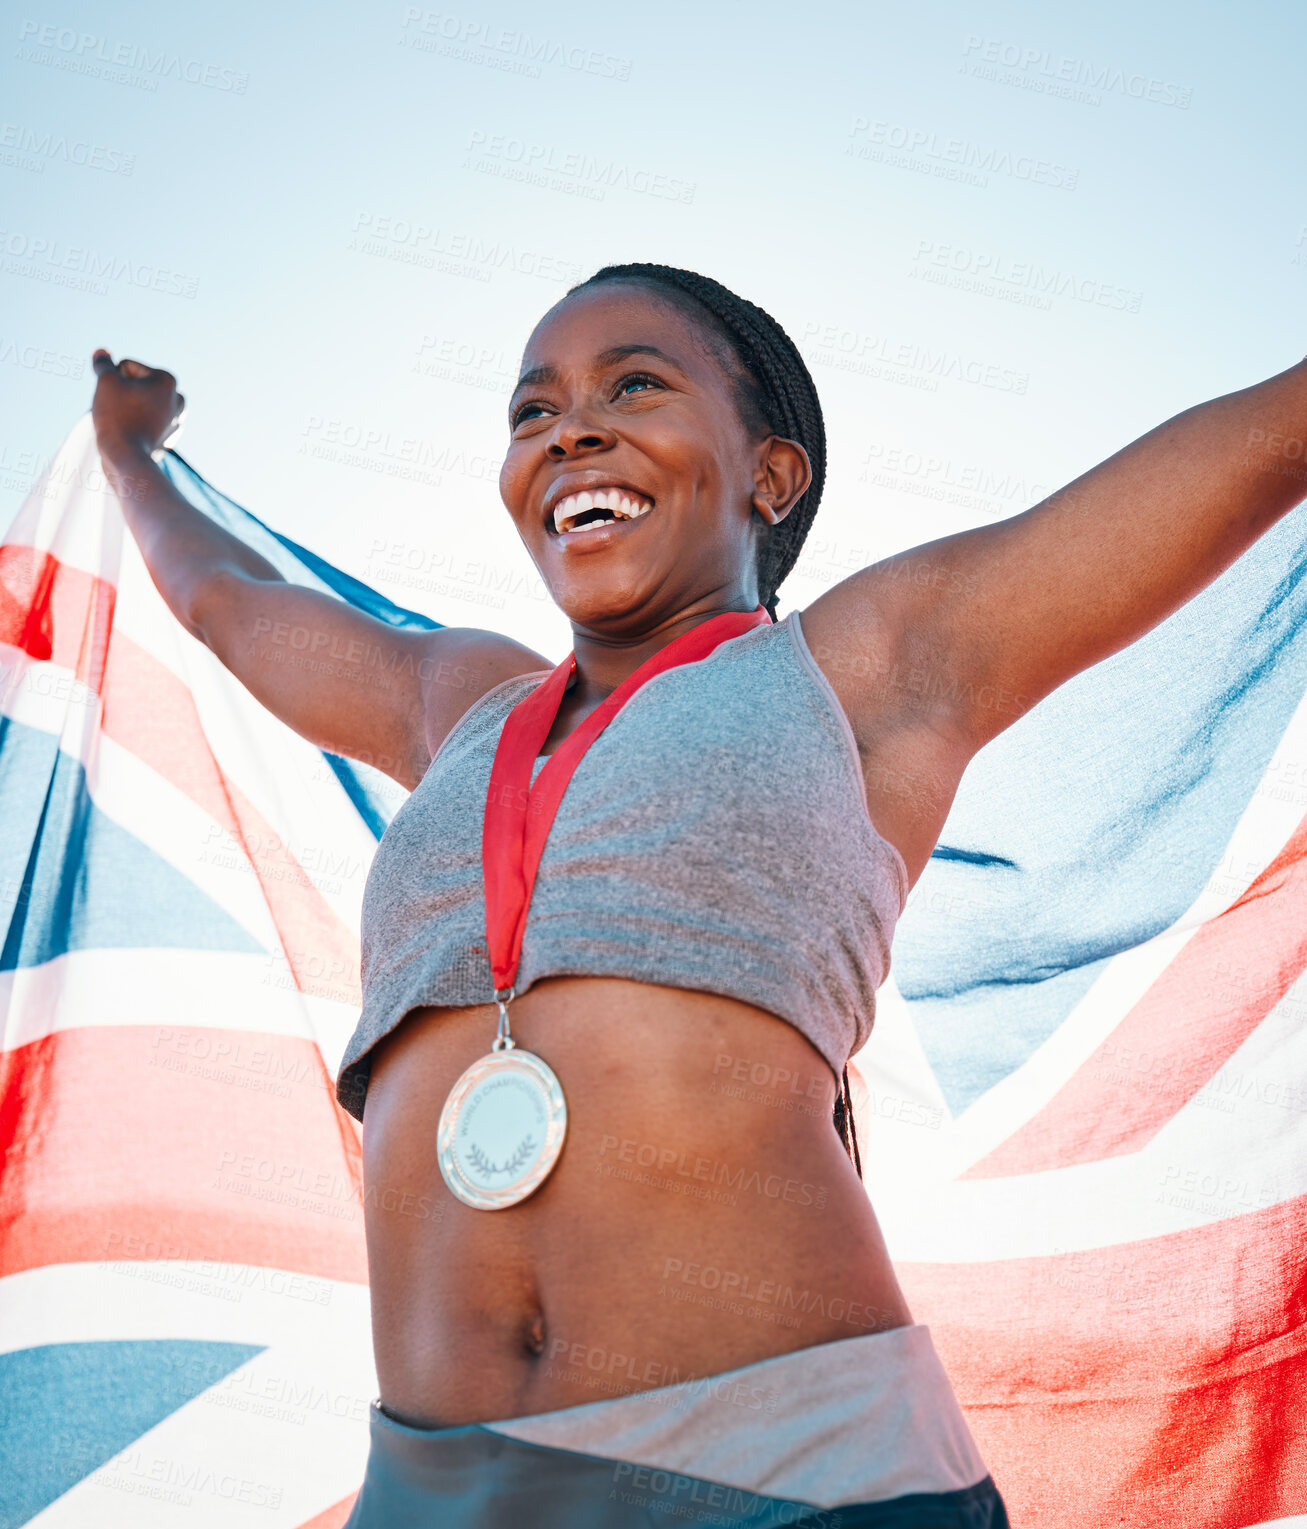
{"type": "Point", "coordinates": [623, 395]}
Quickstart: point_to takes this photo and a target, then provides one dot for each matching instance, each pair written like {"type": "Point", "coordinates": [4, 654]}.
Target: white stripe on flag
{"type": "Point", "coordinates": [71, 512]}
{"type": "Point", "coordinates": [1265, 826]}
{"type": "Point", "coordinates": [1182, 1178]}
{"type": "Point", "coordinates": [280, 1439]}
{"type": "Point", "coordinates": [175, 990]}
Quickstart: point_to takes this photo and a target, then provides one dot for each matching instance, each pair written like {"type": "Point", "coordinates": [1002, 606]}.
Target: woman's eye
{"type": "Point", "coordinates": [636, 380]}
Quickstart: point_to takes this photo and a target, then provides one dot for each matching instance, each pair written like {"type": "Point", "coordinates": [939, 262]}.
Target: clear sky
{"type": "Point", "coordinates": [1009, 239]}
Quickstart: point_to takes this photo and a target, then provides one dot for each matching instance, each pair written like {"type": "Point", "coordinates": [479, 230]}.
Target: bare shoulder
{"type": "Point", "coordinates": [875, 639]}
{"type": "Point", "coordinates": [460, 665]}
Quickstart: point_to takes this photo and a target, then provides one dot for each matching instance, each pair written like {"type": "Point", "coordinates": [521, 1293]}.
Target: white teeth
{"type": "Point", "coordinates": [612, 500]}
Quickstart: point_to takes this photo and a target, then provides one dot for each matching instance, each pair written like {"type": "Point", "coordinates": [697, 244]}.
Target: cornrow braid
{"type": "Point", "coordinates": [781, 397]}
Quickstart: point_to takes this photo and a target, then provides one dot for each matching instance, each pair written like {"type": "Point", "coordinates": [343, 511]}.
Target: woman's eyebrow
{"type": "Point", "coordinates": [620, 352]}
{"type": "Point", "coordinates": [537, 375]}
{"type": "Point", "coordinates": [540, 375]}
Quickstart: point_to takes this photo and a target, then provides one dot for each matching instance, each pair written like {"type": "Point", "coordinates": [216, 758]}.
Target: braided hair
{"type": "Point", "coordinates": [777, 396]}
{"type": "Point", "coordinates": [775, 392]}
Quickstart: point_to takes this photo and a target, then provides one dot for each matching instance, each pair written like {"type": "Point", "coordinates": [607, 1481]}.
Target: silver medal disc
{"type": "Point", "coordinates": [501, 1129]}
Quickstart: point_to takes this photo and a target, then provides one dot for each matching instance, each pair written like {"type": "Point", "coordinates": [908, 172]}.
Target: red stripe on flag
{"type": "Point", "coordinates": [140, 1143]}
{"type": "Point", "coordinates": [333, 1517]}
{"type": "Point", "coordinates": [53, 613]}
{"type": "Point", "coordinates": [1193, 1018]}
{"type": "Point", "coordinates": [63, 615]}
{"type": "Point", "coordinates": [152, 714]}
{"type": "Point", "coordinates": [1153, 1383]}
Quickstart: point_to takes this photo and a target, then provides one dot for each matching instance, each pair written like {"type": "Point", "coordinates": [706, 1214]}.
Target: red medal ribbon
{"type": "Point", "coordinates": [519, 814]}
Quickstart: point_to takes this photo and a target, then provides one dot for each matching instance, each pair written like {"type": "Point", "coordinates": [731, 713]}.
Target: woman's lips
{"type": "Point", "coordinates": [617, 504]}
{"type": "Point", "coordinates": [597, 534]}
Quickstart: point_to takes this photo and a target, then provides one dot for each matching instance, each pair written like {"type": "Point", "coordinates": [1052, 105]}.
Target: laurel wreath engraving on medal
{"type": "Point", "coordinates": [514, 1089]}
{"type": "Point", "coordinates": [482, 1163]}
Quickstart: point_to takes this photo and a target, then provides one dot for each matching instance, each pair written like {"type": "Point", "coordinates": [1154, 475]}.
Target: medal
{"type": "Point", "coordinates": [503, 1125]}
{"type": "Point", "coordinates": [501, 1129]}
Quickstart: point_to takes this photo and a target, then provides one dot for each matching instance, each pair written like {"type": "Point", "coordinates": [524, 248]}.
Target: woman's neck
{"type": "Point", "coordinates": [603, 663]}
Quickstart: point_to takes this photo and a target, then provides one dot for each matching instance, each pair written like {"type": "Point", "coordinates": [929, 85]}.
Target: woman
{"type": "Point", "coordinates": [672, 1298]}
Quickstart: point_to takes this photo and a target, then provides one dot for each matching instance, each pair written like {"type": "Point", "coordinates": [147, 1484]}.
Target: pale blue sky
{"type": "Point", "coordinates": [334, 204]}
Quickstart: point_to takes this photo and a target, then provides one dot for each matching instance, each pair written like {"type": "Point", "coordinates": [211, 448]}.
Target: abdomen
{"type": "Point", "coordinates": [703, 1214]}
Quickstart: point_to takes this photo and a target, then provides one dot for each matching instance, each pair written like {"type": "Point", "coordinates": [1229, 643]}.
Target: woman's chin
{"type": "Point", "coordinates": [599, 603]}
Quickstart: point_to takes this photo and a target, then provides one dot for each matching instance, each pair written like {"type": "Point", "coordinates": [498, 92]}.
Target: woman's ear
{"type": "Point", "coordinates": [782, 477]}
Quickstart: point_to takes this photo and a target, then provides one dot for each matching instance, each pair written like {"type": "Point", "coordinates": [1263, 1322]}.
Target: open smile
{"type": "Point", "coordinates": [590, 508]}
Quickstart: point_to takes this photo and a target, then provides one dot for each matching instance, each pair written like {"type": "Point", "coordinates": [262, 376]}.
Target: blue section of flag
{"type": "Point", "coordinates": [66, 1408]}
{"type": "Point", "coordinates": [1094, 822]}
{"type": "Point", "coordinates": [73, 879]}
{"type": "Point", "coordinates": [364, 800]}
{"type": "Point", "coordinates": [299, 565]}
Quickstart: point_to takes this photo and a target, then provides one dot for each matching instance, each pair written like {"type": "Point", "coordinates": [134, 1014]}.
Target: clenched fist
{"type": "Point", "coordinates": [135, 407]}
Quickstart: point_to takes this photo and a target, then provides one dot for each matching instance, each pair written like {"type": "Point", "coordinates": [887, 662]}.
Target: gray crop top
{"type": "Point", "coordinates": [714, 836]}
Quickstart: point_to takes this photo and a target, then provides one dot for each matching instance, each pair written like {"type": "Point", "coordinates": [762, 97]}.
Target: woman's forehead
{"type": "Point", "coordinates": [619, 316]}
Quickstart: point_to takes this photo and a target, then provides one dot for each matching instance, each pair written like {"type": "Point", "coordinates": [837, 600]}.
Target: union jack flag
{"type": "Point", "coordinates": [1083, 1109]}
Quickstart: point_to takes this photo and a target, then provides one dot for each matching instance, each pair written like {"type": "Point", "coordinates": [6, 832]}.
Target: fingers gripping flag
{"type": "Point", "coordinates": [1083, 1109]}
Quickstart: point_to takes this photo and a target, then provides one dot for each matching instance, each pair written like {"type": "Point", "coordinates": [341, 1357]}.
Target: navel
{"type": "Point", "coordinates": [533, 1333]}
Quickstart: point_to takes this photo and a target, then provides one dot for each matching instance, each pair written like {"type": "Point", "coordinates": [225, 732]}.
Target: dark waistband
{"type": "Point", "coordinates": [865, 1430]}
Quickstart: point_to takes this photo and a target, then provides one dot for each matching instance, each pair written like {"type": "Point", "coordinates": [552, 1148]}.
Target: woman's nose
{"type": "Point", "coordinates": [574, 434]}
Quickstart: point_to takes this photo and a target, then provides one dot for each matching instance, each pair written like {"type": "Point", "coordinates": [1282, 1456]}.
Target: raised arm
{"type": "Point", "coordinates": [340, 678]}
{"type": "Point", "coordinates": [979, 626]}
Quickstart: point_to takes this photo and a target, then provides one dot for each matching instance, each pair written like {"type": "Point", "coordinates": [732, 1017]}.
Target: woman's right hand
{"type": "Point", "coordinates": [135, 407]}
{"type": "Point", "coordinates": [347, 681]}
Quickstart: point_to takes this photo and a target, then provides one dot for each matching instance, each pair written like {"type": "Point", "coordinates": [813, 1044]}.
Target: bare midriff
{"type": "Point", "coordinates": [703, 1214]}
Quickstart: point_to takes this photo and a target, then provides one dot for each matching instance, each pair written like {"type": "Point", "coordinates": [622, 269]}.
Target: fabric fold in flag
{"type": "Point", "coordinates": [180, 881]}
{"type": "Point", "coordinates": [1083, 1110]}
{"type": "Point", "coordinates": [1086, 1100]}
